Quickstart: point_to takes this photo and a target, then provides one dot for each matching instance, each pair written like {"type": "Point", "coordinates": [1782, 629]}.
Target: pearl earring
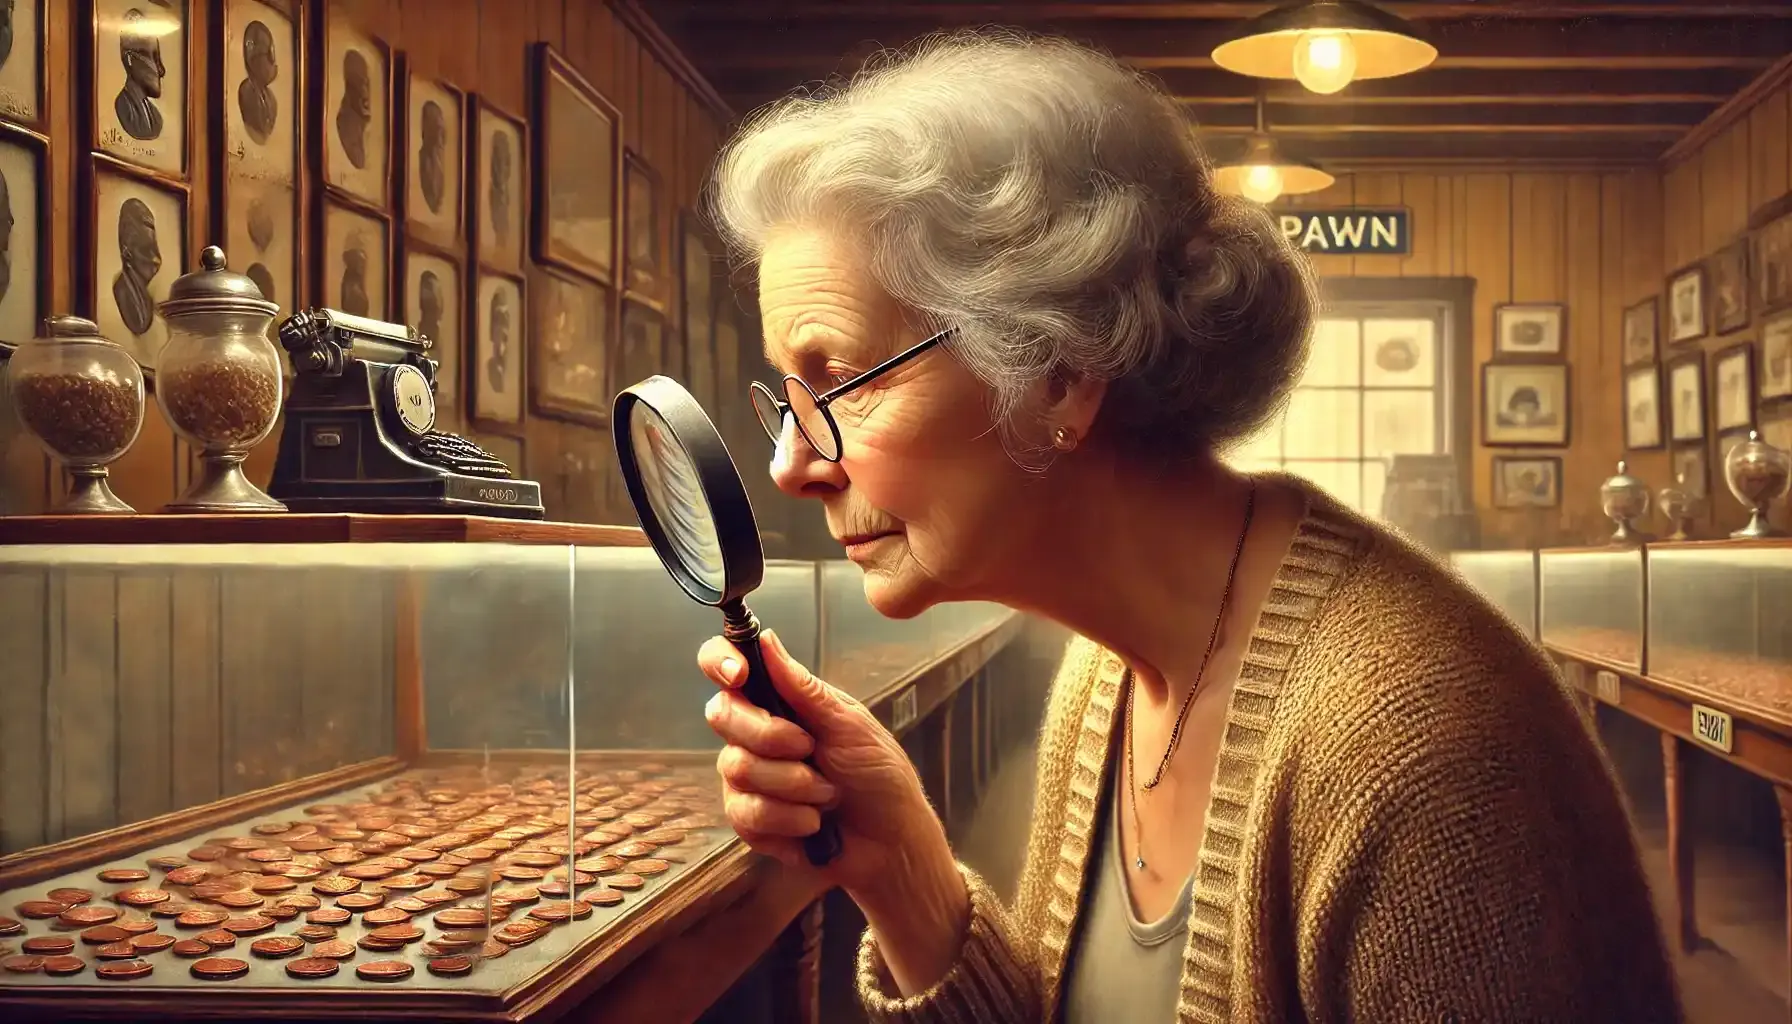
{"type": "Point", "coordinates": [1064, 439]}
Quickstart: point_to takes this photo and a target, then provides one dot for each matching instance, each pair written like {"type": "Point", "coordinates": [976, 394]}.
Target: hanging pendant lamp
{"type": "Point", "coordinates": [1325, 45]}
{"type": "Point", "coordinates": [1263, 172]}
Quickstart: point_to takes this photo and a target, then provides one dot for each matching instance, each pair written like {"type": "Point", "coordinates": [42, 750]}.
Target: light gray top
{"type": "Point", "coordinates": [1122, 969]}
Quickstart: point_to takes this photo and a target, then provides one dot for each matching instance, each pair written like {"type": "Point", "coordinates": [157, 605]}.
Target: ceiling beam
{"type": "Point", "coordinates": [1024, 13]}
{"type": "Point", "coordinates": [1673, 120]}
{"type": "Point", "coordinates": [1342, 150]}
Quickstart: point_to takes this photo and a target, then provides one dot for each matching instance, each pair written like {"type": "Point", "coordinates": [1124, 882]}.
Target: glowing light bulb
{"type": "Point", "coordinates": [1324, 61]}
{"type": "Point", "coordinates": [1261, 183]}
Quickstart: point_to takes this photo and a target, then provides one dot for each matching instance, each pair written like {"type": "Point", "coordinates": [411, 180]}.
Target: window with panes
{"type": "Point", "coordinates": [1374, 387]}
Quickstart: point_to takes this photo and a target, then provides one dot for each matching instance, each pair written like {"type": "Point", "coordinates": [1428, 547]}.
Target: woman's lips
{"type": "Point", "coordinates": [858, 543]}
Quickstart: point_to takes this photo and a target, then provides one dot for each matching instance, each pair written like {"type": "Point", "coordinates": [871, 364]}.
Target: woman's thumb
{"type": "Point", "coordinates": [811, 699]}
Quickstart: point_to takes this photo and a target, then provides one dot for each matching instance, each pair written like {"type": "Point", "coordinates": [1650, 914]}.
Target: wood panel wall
{"type": "Point", "coordinates": [1590, 241]}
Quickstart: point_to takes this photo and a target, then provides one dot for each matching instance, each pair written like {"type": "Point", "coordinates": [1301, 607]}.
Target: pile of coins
{"type": "Point", "coordinates": [450, 864]}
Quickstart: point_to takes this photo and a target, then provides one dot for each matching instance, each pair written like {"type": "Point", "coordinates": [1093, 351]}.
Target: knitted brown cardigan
{"type": "Point", "coordinates": [1410, 822]}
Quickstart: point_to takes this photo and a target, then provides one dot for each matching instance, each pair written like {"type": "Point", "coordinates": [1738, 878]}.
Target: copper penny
{"type": "Point", "coordinates": [517, 894]}
{"type": "Point", "coordinates": [197, 918]}
{"type": "Point", "coordinates": [166, 863]}
{"type": "Point", "coordinates": [122, 876]}
{"type": "Point", "coordinates": [269, 855]}
{"type": "Point", "coordinates": [643, 819]}
{"type": "Point", "coordinates": [49, 945]}
{"type": "Point", "coordinates": [407, 883]}
{"type": "Point", "coordinates": [143, 897]}
{"type": "Point", "coordinates": [439, 869]}
{"type": "Point", "coordinates": [459, 917]}
{"type": "Point", "coordinates": [602, 897]}
{"type": "Point", "coordinates": [635, 848]}
{"type": "Point", "coordinates": [329, 915]}
{"type": "Point", "coordinates": [190, 948]}
{"type": "Point", "coordinates": [240, 900]}
{"type": "Point", "coordinates": [152, 942]}
{"type": "Point", "coordinates": [116, 951]}
{"type": "Point", "coordinates": [69, 897]}
{"type": "Point", "coordinates": [251, 924]}
{"type": "Point", "coordinates": [649, 866]}
{"type": "Point", "coordinates": [300, 901]}
{"type": "Point", "coordinates": [407, 904]}
{"type": "Point", "coordinates": [276, 946]}
{"type": "Point", "coordinates": [217, 938]}
{"type": "Point", "coordinates": [361, 900]}
{"type": "Point", "coordinates": [243, 843]}
{"type": "Point", "coordinates": [552, 913]}
{"type": "Point", "coordinates": [81, 917]}
{"type": "Point", "coordinates": [373, 945]}
{"type": "Point", "coordinates": [384, 970]}
{"type": "Point", "coordinates": [335, 949]}
{"type": "Point", "coordinates": [519, 933]}
{"type": "Point", "coordinates": [416, 854]}
{"type": "Point", "coordinates": [492, 949]}
{"type": "Point", "coordinates": [368, 872]}
{"type": "Point", "coordinates": [37, 910]}
{"type": "Point", "coordinates": [102, 934]}
{"type": "Point", "coordinates": [342, 855]}
{"type": "Point", "coordinates": [206, 854]}
{"type": "Point", "coordinates": [8, 926]}
{"type": "Point", "coordinates": [219, 968]}
{"type": "Point", "coordinates": [625, 882]}
{"type": "Point", "coordinates": [279, 913]}
{"type": "Point", "coordinates": [464, 885]}
{"type": "Point", "coordinates": [602, 864]}
{"type": "Point", "coordinates": [315, 932]}
{"type": "Point", "coordinates": [271, 828]}
{"type": "Point", "coordinates": [533, 860]}
{"type": "Point", "coordinates": [187, 876]}
{"type": "Point", "coordinates": [63, 966]}
{"type": "Point", "coordinates": [22, 964]}
{"type": "Point", "coordinates": [272, 884]}
{"type": "Point", "coordinates": [665, 836]}
{"type": "Point", "coordinates": [300, 872]}
{"type": "Point", "coordinates": [520, 873]}
{"type": "Point", "coordinates": [384, 916]}
{"type": "Point", "coordinates": [451, 966]}
{"type": "Point", "coordinates": [673, 857]}
{"type": "Point", "coordinates": [312, 967]}
{"type": "Point", "coordinates": [397, 933]}
{"type": "Point", "coordinates": [335, 885]}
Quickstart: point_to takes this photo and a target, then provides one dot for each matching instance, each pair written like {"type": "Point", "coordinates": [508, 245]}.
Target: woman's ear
{"type": "Point", "coordinates": [1072, 401]}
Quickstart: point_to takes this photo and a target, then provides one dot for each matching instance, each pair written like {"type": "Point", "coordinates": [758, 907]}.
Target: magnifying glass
{"type": "Point", "coordinates": [694, 509]}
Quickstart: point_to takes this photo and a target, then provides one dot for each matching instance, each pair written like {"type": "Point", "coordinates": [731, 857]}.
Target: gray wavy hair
{"type": "Point", "coordinates": [1055, 208]}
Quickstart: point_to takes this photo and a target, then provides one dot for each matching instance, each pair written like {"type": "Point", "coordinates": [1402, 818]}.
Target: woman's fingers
{"type": "Point", "coordinates": [721, 662]}
{"type": "Point", "coordinates": [790, 781]}
{"type": "Point", "coordinates": [761, 815]}
{"type": "Point", "coordinates": [780, 848]}
{"type": "Point", "coordinates": [745, 724]}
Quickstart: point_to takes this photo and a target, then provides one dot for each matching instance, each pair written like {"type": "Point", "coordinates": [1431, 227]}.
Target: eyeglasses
{"type": "Point", "coordinates": [813, 420]}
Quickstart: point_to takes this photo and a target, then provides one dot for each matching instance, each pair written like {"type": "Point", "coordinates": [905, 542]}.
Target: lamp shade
{"type": "Point", "coordinates": [1263, 172]}
{"type": "Point", "coordinates": [1325, 44]}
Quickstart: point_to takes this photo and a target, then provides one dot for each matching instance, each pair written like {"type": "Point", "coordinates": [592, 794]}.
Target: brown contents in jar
{"type": "Point", "coordinates": [228, 401]}
{"type": "Point", "coordinates": [77, 415]}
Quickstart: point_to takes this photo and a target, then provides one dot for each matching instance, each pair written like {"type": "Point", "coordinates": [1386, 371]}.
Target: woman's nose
{"type": "Point", "coordinates": [798, 470]}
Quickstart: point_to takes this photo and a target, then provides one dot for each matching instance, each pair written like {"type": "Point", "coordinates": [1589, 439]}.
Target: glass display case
{"type": "Point", "coordinates": [1508, 579]}
{"type": "Point", "coordinates": [1720, 622]}
{"type": "Point", "coordinates": [1590, 603]}
{"type": "Point", "coordinates": [863, 653]}
{"type": "Point", "coordinates": [433, 770]}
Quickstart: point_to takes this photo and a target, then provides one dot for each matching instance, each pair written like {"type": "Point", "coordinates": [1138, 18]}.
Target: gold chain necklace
{"type": "Point", "coordinates": [1250, 509]}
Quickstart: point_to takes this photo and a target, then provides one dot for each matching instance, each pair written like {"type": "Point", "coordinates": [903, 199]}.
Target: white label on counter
{"type": "Point", "coordinates": [1712, 727]}
{"type": "Point", "coordinates": [903, 710]}
{"type": "Point", "coordinates": [1605, 687]}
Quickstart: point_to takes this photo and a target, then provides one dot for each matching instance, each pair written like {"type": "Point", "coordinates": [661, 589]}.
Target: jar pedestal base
{"type": "Point", "coordinates": [90, 494]}
{"type": "Point", "coordinates": [222, 488]}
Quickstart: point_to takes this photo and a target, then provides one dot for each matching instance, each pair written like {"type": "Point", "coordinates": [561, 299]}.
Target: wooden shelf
{"type": "Point", "coordinates": [309, 528]}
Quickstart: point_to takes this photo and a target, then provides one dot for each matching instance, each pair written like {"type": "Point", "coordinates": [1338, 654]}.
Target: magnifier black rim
{"type": "Point", "coordinates": [743, 558]}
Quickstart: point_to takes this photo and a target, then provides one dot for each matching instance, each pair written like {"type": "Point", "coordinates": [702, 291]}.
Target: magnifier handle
{"type": "Point", "coordinates": [824, 845]}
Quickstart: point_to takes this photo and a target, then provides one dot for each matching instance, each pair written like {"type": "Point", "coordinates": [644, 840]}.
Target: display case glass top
{"type": "Point", "coordinates": [1508, 579]}
{"type": "Point", "coordinates": [1720, 622]}
{"type": "Point", "coordinates": [1590, 603]}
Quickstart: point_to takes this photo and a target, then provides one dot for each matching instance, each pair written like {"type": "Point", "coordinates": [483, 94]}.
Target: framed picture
{"type": "Point", "coordinates": [571, 332]}
{"type": "Point", "coordinates": [258, 206]}
{"type": "Point", "coordinates": [24, 234]}
{"type": "Point", "coordinates": [1776, 429]}
{"type": "Point", "coordinates": [1642, 408]}
{"type": "Point", "coordinates": [1725, 443]}
{"type": "Point", "coordinates": [1776, 357]}
{"type": "Point", "coordinates": [434, 156]}
{"type": "Point", "coordinates": [1729, 287]}
{"type": "Point", "coordinates": [22, 66]}
{"type": "Point", "coordinates": [356, 73]}
{"type": "Point", "coordinates": [1528, 330]}
{"type": "Point", "coordinates": [1687, 463]}
{"type": "Point", "coordinates": [433, 304]}
{"type": "Point", "coordinates": [643, 245]}
{"type": "Point", "coordinates": [496, 359]}
{"type": "Point", "coordinates": [1772, 265]}
{"type": "Point", "coordinates": [355, 261]}
{"type": "Point", "coordinates": [137, 241]}
{"type": "Point", "coordinates": [1640, 323]}
{"type": "Point", "coordinates": [1733, 387]}
{"type": "Point", "coordinates": [1686, 304]}
{"type": "Point", "coordinates": [578, 164]}
{"type": "Point", "coordinates": [139, 64]}
{"type": "Point", "coordinates": [1686, 397]}
{"type": "Point", "coordinates": [500, 187]}
{"type": "Point", "coordinates": [1527, 481]}
{"type": "Point", "coordinates": [643, 350]}
{"type": "Point", "coordinates": [1524, 405]}
{"type": "Point", "coordinates": [697, 272]}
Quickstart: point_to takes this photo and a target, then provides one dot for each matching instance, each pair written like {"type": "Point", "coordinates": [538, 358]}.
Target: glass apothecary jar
{"type": "Point", "coordinates": [1758, 475]}
{"type": "Point", "coordinates": [1625, 499]}
{"type": "Point", "coordinates": [81, 396]}
{"type": "Point", "coordinates": [219, 382]}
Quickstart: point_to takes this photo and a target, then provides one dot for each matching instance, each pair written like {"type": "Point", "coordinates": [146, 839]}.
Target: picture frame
{"type": "Point", "coordinates": [1686, 397]}
{"type": "Point", "coordinates": [643, 236]}
{"type": "Point", "coordinates": [578, 170]}
{"type": "Point", "coordinates": [1729, 287]}
{"type": "Point", "coordinates": [1725, 443]}
{"type": "Point", "coordinates": [1642, 329]}
{"type": "Point", "coordinates": [25, 196]}
{"type": "Point", "coordinates": [1688, 318]}
{"type": "Point", "coordinates": [1529, 330]}
{"type": "Point", "coordinates": [573, 330]}
{"type": "Point", "coordinates": [641, 344]}
{"type": "Point", "coordinates": [136, 65]}
{"type": "Point", "coordinates": [1689, 469]}
{"type": "Point", "coordinates": [1642, 408]}
{"type": "Point", "coordinates": [1771, 268]}
{"type": "Point", "coordinates": [497, 314]}
{"type": "Point", "coordinates": [499, 188]}
{"type": "Point", "coordinates": [1524, 405]}
{"type": "Point", "coordinates": [137, 237]}
{"type": "Point", "coordinates": [696, 296]}
{"type": "Point", "coordinates": [1776, 357]}
{"type": "Point", "coordinates": [433, 298]}
{"type": "Point", "coordinates": [1776, 428]}
{"type": "Point", "coordinates": [24, 80]}
{"type": "Point", "coordinates": [435, 158]}
{"type": "Point", "coordinates": [1733, 388]}
{"type": "Point", "coordinates": [1527, 481]}
{"type": "Point", "coordinates": [259, 71]}
{"type": "Point", "coordinates": [354, 144]}
{"type": "Point", "coordinates": [358, 285]}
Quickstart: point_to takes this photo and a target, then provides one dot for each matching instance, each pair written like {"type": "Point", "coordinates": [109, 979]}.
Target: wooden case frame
{"type": "Point", "coordinates": [1697, 361]}
{"type": "Point", "coordinates": [480, 108]}
{"type": "Point", "coordinates": [85, 65]}
{"type": "Point", "coordinates": [474, 417]}
{"type": "Point", "coordinates": [403, 74]}
{"type": "Point", "coordinates": [546, 63]}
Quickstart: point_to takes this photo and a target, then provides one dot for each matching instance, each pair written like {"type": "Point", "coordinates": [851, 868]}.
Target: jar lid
{"type": "Point", "coordinates": [1623, 479]}
{"type": "Point", "coordinates": [213, 289]}
{"type": "Point", "coordinates": [64, 327]}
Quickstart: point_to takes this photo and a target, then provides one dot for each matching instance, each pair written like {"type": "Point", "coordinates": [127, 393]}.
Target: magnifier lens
{"type": "Point", "coordinates": [669, 478]}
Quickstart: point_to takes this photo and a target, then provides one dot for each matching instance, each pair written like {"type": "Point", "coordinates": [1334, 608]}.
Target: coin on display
{"type": "Point", "coordinates": [384, 970]}
{"type": "Point", "coordinates": [219, 968]}
{"type": "Point", "coordinates": [63, 966]}
{"type": "Point", "coordinates": [125, 970]}
{"type": "Point", "coordinates": [312, 967]}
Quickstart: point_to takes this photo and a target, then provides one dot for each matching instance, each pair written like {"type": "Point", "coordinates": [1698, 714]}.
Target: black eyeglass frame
{"type": "Point", "coordinates": [822, 401]}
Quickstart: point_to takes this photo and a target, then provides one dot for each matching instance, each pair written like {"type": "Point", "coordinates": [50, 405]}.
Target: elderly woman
{"type": "Point", "coordinates": [1291, 770]}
